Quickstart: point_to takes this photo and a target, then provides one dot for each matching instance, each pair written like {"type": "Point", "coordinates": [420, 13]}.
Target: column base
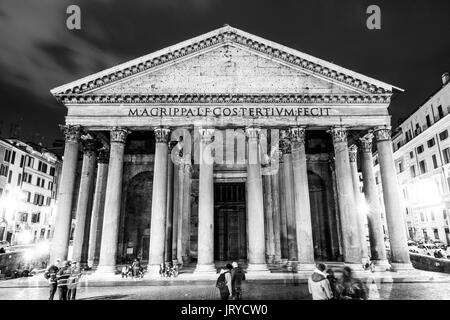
{"type": "Point", "coordinates": [381, 265]}
{"type": "Point", "coordinates": [305, 268]}
{"type": "Point", "coordinates": [205, 269]}
{"type": "Point", "coordinates": [395, 266]}
{"type": "Point", "coordinates": [152, 271]}
{"type": "Point", "coordinates": [257, 268]}
{"type": "Point", "coordinates": [104, 272]}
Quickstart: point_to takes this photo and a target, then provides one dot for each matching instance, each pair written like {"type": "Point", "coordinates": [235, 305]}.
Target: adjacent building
{"type": "Point", "coordinates": [421, 146]}
{"type": "Point", "coordinates": [29, 177]}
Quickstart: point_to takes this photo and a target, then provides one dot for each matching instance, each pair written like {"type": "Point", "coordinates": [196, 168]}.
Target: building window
{"type": "Point", "coordinates": [50, 185]}
{"type": "Point", "coordinates": [440, 112]}
{"type": "Point", "coordinates": [413, 171]}
{"type": "Point", "coordinates": [42, 167]}
{"type": "Point", "coordinates": [4, 170]}
{"type": "Point", "coordinates": [420, 149]}
{"type": "Point", "coordinates": [22, 160]}
{"type": "Point", "coordinates": [35, 217]}
{"type": "Point", "coordinates": [428, 120]}
{"type": "Point", "coordinates": [436, 234]}
{"type": "Point", "coordinates": [19, 179]}
{"type": "Point", "coordinates": [52, 171]}
{"type": "Point", "coordinates": [443, 135]}
{"type": "Point", "coordinates": [28, 196]}
{"type": "Point", "coordinates": [7, 155]}
{"type": "Point", "coordinates": [30, 162]}
{"type": "Point", "coordinates": [446, 153]}
{"type": "Point", "coordinates": [400, 167]}
{"type": "Point", "coordinates": [423, 167]}
{"type": "Point", "coordinates": [38, 181]}
{"type": "Point", "coordinates": [23, 217]}
{"type": "Point", "coordinates": [48, 201]}
{"type": "Point", "coordinates": [10, 177]}
{"type": "Point", "coordinates": [411, 154]}
{"type": "Point", "coordinates": [13, 157]}
{"type": "Point", "coordinates": [435, 164]}
{"type": "Point", "coordinates": [431, 143]}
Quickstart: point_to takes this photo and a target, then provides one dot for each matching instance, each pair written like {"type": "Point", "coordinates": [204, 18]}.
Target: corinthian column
{"type": "Point", "coordinates": [205, 263]}
{"type": "Point", "coordinates": [301, 201]}
{"type": "Point", "coordinates": [359, 201]}
{"type": "Point", "coordinates": [376, 236]}
{"type": "Point", "coordinates": [284, 250]}
{"type": "Point", "coordinates": [110, 230]}
{"type": "Point", "coordinates": [84, 197]}
{"type": "Point", "coordinates": [60, 242]}
{"type": "Point", "coordinates": [159, 203]}
{"type": "Point", "coordinates": [169, 206]}
{"type": "Point", "coordinates": [347, 209]}
{"type": "Point", "coordinates": [98, 207]}
{"type": "Point", "coordinates": [255, 210]}
{"type": "Point", "coordinates": [392, 201]}
{"type": "Point", "coordinates": [285, 143]}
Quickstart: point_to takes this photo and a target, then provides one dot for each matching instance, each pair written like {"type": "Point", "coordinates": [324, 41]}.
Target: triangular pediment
{"type": "Point", "coordinates": [227, 69]}
{"type": "Point", "coordinates": [224, 61]}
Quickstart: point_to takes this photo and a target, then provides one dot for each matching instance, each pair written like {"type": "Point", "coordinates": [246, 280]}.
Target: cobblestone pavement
{"type": "Point", "coordinates": [252, 291]}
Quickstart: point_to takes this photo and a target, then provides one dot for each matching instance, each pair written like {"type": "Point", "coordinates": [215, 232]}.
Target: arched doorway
{"type": "Point", "coordinates": [138, 208]}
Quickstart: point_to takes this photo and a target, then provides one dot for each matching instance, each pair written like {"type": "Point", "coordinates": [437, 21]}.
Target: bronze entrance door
{"type": "Point", "coordinates": [230, 241]}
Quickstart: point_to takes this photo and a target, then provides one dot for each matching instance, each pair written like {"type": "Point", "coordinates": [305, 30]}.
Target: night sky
{"type": "Point", "coordinates": [38, 52]}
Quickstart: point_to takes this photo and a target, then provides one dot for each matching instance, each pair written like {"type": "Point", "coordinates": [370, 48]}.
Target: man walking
{"type": "Point", "coordinates": [63, 278]}
{"type": "Point", "coordinates": [50, 274]}
{"type": "Point", "coordinates": [75, 275]}
{"type": "Point", "coordinates": [237, 276]}
{"type": "Point", "coordinates": [318, 284]}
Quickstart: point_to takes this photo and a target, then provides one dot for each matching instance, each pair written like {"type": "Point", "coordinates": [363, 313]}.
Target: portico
{"type": "Point", "coordinates": [227, 146]}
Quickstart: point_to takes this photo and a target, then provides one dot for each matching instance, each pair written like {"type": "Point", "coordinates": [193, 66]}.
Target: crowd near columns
{"type": "Point", "coordinates": [278, 201]}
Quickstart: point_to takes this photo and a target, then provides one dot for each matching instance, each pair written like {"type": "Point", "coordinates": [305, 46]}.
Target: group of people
{"type": "Point", "coordinates": [168, 271]}
{"type": "Point", "coordinates": [63, 277]}
{"type": "Point", "coordinates": [229, 282]}
{"type": "Point", "coordinates": [135, 270]}
{"type": "Point", "coordinates": [323, 285]}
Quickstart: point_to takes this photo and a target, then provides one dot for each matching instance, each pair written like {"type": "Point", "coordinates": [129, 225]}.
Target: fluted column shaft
{"type": "Point", "coordinates": [185, 235]}
{"type": "Point", "coordinates": [255, 210]}
{"type": "Point", "coordinates": [347, 208]}
{"type": "Point", "coordinates": [113, 197]}
{"type": "Point", "coordinates": [98, 207]}
{"type": "Point", "coordinates": [159, 202]}
{"type": "Point", "coordinates": [84, 196]}
{"type": "Point", "coordinates": [376, 236]}
{"type": "Point", "coordinates": [60, 242]}
{"type": "Point", "coordinates": [392, 201]}
{"type": "Point", "coordinates": [205, 261]}
{"type": "Point", "coordinates": [268, 206]}
{"type": "Point", "coordinates": [169, 207]}
{"type": "Point", "coordinates": [283, 215]}
{"type": "Point", "coordinates": [276, 215]}
{"type": "Point", "coordinates": [301, 201]}
{"type": "Point", "coordinates": [176, 195]}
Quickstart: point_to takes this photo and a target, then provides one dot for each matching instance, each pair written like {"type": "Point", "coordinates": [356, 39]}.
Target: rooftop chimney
{"type": "Point", "coordinates": [445, 78]}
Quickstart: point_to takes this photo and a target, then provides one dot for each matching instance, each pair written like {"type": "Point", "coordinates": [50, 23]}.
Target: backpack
{"type": "Point", "coordinates": [221, 283]}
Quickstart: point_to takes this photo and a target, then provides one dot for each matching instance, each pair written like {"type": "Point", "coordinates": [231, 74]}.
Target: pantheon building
{"type": "Point", "coordinates": [227, 147]}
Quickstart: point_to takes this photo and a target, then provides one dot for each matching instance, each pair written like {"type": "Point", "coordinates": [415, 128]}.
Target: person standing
{"type": "Point", "coordinates": [75, 275]}
{"type": "Point", "coordinates": [63, 278]}
{"type": "Point", "coordinates": [318, 284]}
{"type": "Point", "coordinates": [237, 276]}
{"type": "Point", "coordinates": [50, 274]}
{"type": "Point", "coordinates": [223, 283]}
{"type": "Point", "coordinates": [333, 283]}
{"type": "Point", "coordinates": [136, 267]}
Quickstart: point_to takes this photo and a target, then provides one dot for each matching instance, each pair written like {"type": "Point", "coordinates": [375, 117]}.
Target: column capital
{"type": "Point", "coordinates": [339, 134]}
{"type": "Point", "coordinates": [252, 132]}
{"type": "Point", "coordinates": [89, 144]}
{"type": "Point", "coordinates": [119, 135]}
{"type": "Point", "coordinates": [285, 146]}
{"type": "Point", "coordinates": [382, 133]}
{"type": "Point", "coordinates": [103, 155]}
{"type": "Point", "coordinates": [297, 134]}
{"type": "Point", "coordinates": [365, 143]}
{"type": "Point", "coordinates": [352, 152]}
{"type": "Point", "coordinates": [71, 133]}
{"type": "Point", "coordinates": [206, 134]}
{"type": "Point", "coordinates": [161, 134]}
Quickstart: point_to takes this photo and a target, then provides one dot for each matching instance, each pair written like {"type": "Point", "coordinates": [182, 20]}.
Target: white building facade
{"type": "Point", "coordinates": [421, 148]}
{"type": "Point", "coordinates": [28, 186]}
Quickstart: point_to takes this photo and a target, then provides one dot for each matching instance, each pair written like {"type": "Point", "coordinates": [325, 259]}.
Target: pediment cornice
{"type": "Point", "coordinates": [224, 99]}
{"type": "Point", "coordinates": [218, 37]}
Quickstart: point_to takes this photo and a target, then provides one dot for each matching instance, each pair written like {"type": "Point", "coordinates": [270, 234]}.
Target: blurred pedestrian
{"type": "Point", "coordinates": [50, 274]}
{"type": "Point", "coordinates": [223, 283]}
{"type": "Point", "coordinates": [63, 279]}
{"type": "Point", "coordinates": [74, 279]}
{"type": "Point", "coordinates": [333, 283]}
{"type": "Point", "coordinates": [237, 276]}
{"type": "Point", "coordinates": [351, 288]}
{"type": "Point", "coordinates": [318, 284]}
